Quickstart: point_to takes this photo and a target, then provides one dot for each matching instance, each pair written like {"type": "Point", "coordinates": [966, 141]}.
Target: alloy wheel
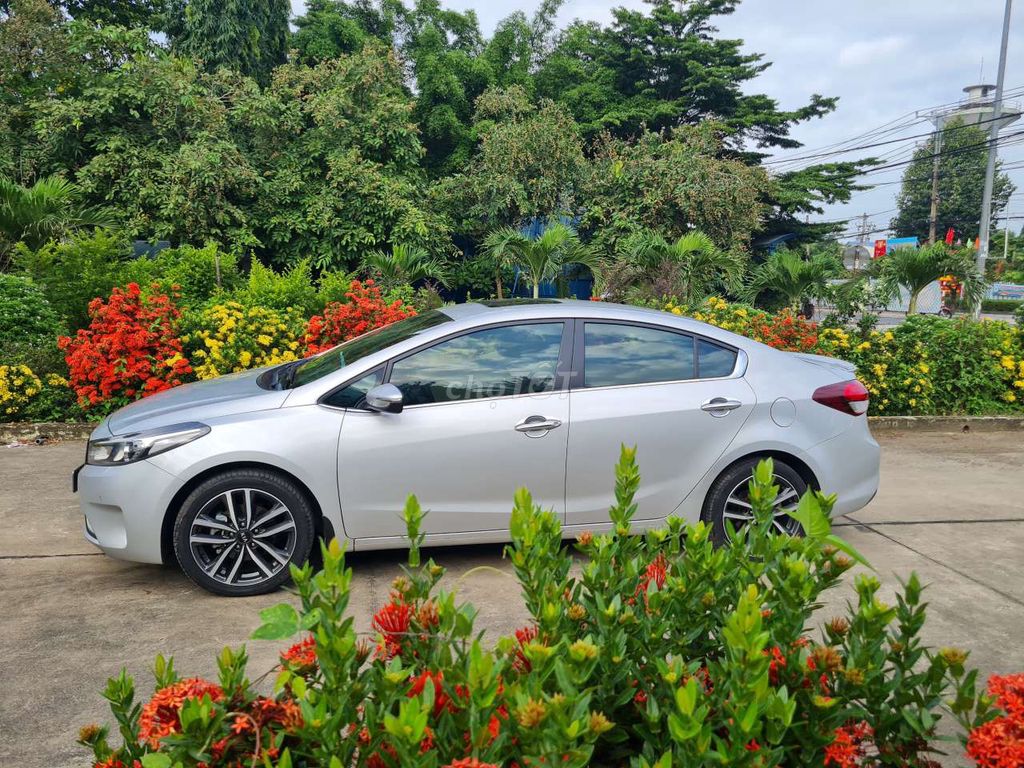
{"type": "Point", "coordinates": [738, 511]}
{"type": "Point", "coordinates": [243, 537]}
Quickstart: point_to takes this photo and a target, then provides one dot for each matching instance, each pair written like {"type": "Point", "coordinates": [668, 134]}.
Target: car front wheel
{"type": "Point", "coordinates": [727, 508]}
{"type": "Point", "coordinates": [237, 532]}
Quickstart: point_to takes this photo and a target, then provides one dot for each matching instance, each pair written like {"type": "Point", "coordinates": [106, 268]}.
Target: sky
{"type": "Point", "coordinates": [882, 58]}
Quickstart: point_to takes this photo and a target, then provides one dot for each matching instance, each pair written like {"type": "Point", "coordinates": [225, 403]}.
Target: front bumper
{"type": "Point", "coordinates": [124, 508]}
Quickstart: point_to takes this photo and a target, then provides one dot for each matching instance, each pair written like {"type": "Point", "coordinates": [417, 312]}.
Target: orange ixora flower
{"type": "Point", "coordinates": [392, 622]}
{"type": "Point", "coordinates": [469, 762]}
{"type": "Point", "coordinates": [300, 657]}
{"type": "Point", "coordinates": [848, 745]}
{"type": "Point", "coordinates": [162, 714]}
{"type": "Point", "coordinates": [999, 743]}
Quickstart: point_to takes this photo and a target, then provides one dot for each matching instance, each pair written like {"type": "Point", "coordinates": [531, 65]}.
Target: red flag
{"type": "Point", "coordinates": [950, 234]}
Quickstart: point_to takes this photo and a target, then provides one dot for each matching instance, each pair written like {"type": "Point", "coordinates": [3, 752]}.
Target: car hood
{"type": "Point", "coordinates": [223, 396]}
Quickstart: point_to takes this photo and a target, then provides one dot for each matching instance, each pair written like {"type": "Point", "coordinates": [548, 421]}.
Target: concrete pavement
{"type": "Point", "coordinates": [951, 507]}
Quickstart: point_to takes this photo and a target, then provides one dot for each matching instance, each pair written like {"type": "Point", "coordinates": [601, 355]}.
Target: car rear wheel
{"type": "Point", "coordinates": [237, 533]}
{"type": "Point", "coordinates": [727, 508]}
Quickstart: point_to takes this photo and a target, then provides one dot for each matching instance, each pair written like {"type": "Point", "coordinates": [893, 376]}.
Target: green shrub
{"type": "Point", "coordinates": [333, 287]}
{"type": "Point", "coordinates": [192, 270]}
{"type": "Point", "coordinates": [26, 317]}
{"type": "Point", "coordinates": [73, 273]}
{"type": "Point", "coordinates": [291, 289]}
{"type": "Point", "coordinates": [1001, 305]}
{"type": "Point", "coordinates": [649, 651]}
{"type": "Point", "coordinates": [55, 401]}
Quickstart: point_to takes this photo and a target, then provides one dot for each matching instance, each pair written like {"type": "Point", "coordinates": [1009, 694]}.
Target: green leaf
{"type": "Point", "coordinates": [156, 760]}
{"type": "Point", "coordinates": [279, 622]}
{"type": "Point", "coordinates": [812, 517]}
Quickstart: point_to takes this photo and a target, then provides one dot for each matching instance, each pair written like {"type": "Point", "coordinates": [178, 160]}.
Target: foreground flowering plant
{"type": "Point", "coordinates": [364, 310]}
{"type": "Point", "coordinates": [653, 651]}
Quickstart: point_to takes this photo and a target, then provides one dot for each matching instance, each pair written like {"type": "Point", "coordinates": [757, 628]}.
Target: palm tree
{"type": "Point", "coordinates": [48, 210]}
{"type": "Point", "coordinates": [693, 263]}
{"type": "Point", "coordinates": [792, 277]}
{"type": "Point", "coordinates": [406, 264]}
{"type": "Point", "coordinates": [915, 268]}
{"type": "Point", "coordinates": [543, 258]}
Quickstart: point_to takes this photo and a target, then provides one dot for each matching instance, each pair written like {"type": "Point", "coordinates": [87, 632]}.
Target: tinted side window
{"type": "Point", "coordinates": [713, 360]}
{"type": "Point", "coordinates": [624, 354]}
{"type": "Point", "coordinates": [352, 394]}
{"type": "Point", "coordinates": [511, 360]}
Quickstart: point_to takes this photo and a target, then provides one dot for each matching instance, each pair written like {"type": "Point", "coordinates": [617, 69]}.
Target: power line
{"type": "Point", "coordinates": [890, 141]}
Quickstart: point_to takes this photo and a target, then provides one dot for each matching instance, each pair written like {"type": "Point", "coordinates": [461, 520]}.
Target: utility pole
{"type": "Point", "coordinates": [933, 216]}
{"type": "Point", "coordinates": [862, 240]}
{"type": "Point", "coordinates": [990, 170]}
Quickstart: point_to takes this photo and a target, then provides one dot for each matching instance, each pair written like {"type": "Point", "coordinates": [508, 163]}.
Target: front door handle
{"type": "Point", "coordinates": [720, 406]}
{"type": "Point", "coordinates": [537, 426]}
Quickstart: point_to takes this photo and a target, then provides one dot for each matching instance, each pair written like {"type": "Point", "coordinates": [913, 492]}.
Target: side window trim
{"type": "Point", "coordinates": [562, 366]}
{"type": "Point", "coordinates": [579, 361]}
{"type": "Point", "coordinates": [381, 369]}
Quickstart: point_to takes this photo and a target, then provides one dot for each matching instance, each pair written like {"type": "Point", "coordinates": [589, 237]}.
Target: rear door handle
{"type": "Point", "coordinates": [537, 426]}
{"type": "Point", "coordinates": [720, 406]}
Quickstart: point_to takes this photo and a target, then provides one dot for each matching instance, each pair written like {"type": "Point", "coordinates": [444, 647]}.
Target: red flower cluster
{"type": "Point", "coordinates": [784, 330]}
{"type": "Point", "coordinates": [301, 657]}
{"type": "Point", "coordinates": [130, 348]}
{"type": "Point", "coordinates": [657, 571]}
{"type": "Point", "coordinates": [848, 745]}
{"type": "Point", "coordinates": [524, 635]}
{"type": "Point", "coordinates": [364, 311]}
{"type": "Point", "coordinates": [441, 699]}
{"type": "Point", "coordinates": [392, 622]}
{"type": "Point", "coordinates": [161, 716]}
{"type": "Point", "coordinates": [999, 743]}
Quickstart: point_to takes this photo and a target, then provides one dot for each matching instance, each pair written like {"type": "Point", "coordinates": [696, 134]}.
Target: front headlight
{"type": "Point", "coordinates": [124, 449]}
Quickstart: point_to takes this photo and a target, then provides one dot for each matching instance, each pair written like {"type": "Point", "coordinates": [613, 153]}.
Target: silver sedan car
{"type": "Point", "coordinates": [236, 477]}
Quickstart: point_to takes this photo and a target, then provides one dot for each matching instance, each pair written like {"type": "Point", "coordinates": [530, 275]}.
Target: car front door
{"type": "Point", "coordinates": [485, 413]}
{"type": "Point", "coordinates": [670, 394]}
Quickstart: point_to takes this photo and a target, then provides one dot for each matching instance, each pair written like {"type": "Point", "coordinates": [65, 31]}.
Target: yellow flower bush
{"type": "Point", "coordinates": [228, 337]}
{"type": "Point", "coordinates": [18, 385]}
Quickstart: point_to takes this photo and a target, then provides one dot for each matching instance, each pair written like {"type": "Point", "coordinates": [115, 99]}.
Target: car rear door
{"type": "Point", "coordinates": [675, 396]}
{"type": "Point", "coordinates": [486, 412]}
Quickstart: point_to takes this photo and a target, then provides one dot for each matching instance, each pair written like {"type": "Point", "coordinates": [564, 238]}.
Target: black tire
{"type": "Point", "coordinates": [244, 508]}
{"type": "Point", "coordinates": [719, 512]}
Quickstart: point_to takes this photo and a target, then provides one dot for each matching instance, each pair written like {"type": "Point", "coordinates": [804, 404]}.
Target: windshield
{"type": "Point", "coordinates": [348, 352]}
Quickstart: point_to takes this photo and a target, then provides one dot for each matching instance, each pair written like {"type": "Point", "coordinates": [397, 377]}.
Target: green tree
{"type": "Point", "coordinates": [158, 140]}
{"type": "Point", "coordinates": [332, 28]}
{"type": "Point", "coordinates": [248, 36]}
{"type": "Point", "coordinates": [662, 67]}
{"type": "Point", "coordinates": [913, 269]}
{"type": "Point", "coordinates": [671, 183]}
{"type": "Point", "coordinates": [787, 276]}
{"type": "Point", "coordinates": [405, 265]}
{"type": "Point", "coordinates": [529, 165]}
{"type": "Point", "coordinates": [50, 209]}
{"type": "Point", "coordinates": [962, 163]}
{"type": "Point", "coordinates": [545, 257]}
{"type": "Point", "coordinates": [339, 161]}
{"type": "Point", "coordinates": [688, 268]}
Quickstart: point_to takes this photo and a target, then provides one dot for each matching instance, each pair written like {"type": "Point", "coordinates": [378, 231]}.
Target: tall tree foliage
{"type": "Point", "coordinates": [249, 36]}
{"type": "Point", "coordinates": [672, 183]}
{"type": "Point", "coordinates": [340, 162]}
{"type": "Point", "coordinates": [333, 28]}
{"type": "Point", "coordinates": [664, 67]}
{"type": "Point", "coordinates": [962, 161]}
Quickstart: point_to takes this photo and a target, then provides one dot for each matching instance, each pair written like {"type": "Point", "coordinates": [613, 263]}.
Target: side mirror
{"type": "Point", "coordinates": [384, 398]}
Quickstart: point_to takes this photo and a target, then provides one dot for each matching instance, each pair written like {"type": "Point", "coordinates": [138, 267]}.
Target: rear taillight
{"type": "Point", "coordinates": [847, 396]}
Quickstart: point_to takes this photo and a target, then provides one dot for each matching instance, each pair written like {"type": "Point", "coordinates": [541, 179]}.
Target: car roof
{"type": "Point", "coordinates": [507, 310]}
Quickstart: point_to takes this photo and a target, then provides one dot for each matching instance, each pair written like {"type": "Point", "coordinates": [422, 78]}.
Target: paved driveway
{"type": "Point", "coordinates": [951, 507]}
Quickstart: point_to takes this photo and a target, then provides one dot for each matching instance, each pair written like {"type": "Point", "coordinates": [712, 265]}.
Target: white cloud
{"type": "Point", "coordinates": [870, 51]}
